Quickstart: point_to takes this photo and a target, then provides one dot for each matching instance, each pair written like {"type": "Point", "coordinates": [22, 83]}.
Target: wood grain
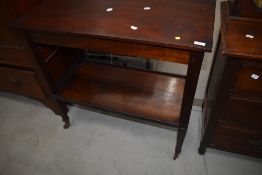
{"type": "Point", "coordinates": [191, 20]}
{"type": "Point", "coordinates": [115, 47]}
{"type": "Point", "coordinates": [20, 82]}
{"type": "Point", "coordinates": [131, 91]}
{"type": "Point", "coordinates": [234, 33]}
{"type": "Point", "coordinates": [232, 107]}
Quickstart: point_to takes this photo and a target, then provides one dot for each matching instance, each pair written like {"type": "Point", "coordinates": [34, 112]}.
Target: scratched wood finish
{"type": "Point", "coordinates": [150, 95]}
{"type": "Point", "coordinates": [192, 20]}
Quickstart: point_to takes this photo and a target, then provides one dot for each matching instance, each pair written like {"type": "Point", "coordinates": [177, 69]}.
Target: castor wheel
{"type": "Point", "coordinates": [201, 150]}
{"type": "Point", "coordinates": [66, 125]}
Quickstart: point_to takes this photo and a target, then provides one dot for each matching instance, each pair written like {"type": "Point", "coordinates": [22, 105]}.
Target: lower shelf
{"type": "Point", "coordinates": [150, 95]}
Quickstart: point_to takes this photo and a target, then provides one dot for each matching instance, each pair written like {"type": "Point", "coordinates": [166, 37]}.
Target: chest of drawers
{"type": "Point", "coordinates": [18, 73]}
{"type": "Point", "coordinates": [16, 67]}
{"type": "Point", "coordinates": [233, 102]}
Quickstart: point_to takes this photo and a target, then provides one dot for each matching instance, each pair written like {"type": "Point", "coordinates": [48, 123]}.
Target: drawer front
{"type": "Point", "coordinates": [15, 56]}
{"type": "Point", "coordinates": [245, 112]}
{"type": "Point", "coordinates": [20, 82]}
{"type": "Point", "coordinates": [238, 141]}
{"type": "Point", "coordinates": [249, 80]}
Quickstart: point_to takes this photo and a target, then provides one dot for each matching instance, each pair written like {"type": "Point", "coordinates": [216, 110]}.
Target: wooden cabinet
{"type": "Point", "coordinates": [16, 65]}
{"type": "Point", "coordinates": [18, 71]}
{"type": "Point", "coordinates": [233, 102]}
{"type": "Point", "coordinates": [227, 137]}
{"type": "Point", "coordinates": [20, 81]}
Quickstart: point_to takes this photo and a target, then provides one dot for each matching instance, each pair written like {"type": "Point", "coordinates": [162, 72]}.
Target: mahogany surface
{"type": "Point", "coordinates": [137, 92]}
{"type": "Point", "coordinates": [110, 46]}
{"type": "Point", "coordinates": [20, 81]}
{"type": "Point", "coordinates": [235, 140]}
{"type": "Point", "coordinates": [236, 43]}
{"type": "Point", "coordinates": [15, 57]}
{"type": "Point", "coordinates": [245, 84]}
{"type": "Point", "coordinates": [192, 20]}
{"type": "Point", "coordinates": [237, 109]}
{"type": "Point", "coordinates": [12, 52]}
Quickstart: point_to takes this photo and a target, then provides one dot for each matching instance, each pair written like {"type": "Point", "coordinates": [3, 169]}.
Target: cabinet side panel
{"type": "Point", "coordinates": [213, 94]}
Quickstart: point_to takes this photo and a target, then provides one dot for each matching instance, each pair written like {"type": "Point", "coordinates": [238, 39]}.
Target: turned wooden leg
{"type": "Point", "coordinates": [45, 81]}
{"type": "Point", "coordinates": [59, 109]}
{"type": "Point", "coordinates": [66, 121]}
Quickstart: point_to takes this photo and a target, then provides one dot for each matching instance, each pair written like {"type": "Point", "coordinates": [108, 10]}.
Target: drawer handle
{"type": "Point", "coordinates": [256, 143]}
{"type": "Point", "coordinates": [255, 76]}
{"type": "Point", "coordinates": [14, 80]}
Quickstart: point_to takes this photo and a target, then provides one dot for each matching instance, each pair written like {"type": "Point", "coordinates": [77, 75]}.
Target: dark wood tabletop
{"type": "Point", "coordinates": [168, 23]}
